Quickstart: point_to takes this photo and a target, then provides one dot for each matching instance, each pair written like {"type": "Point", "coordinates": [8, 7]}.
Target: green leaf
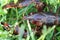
{"type": "Point", "coordinates": [47, 32]}
{"type": "Point", "coordinates": [15, 1]}
{"type": "Point", "coordinates": [58, 29]}
{"type": "Point", "coordinates": [49, 36]}
{"type": "Point", "coordinates": [21, 31]}
{"type": "Point", "coordinates": [2, 11]}
{"type": "Point", "coordinates": [4, 2]}
{"type": "Point", "coordinates": [44, 29]}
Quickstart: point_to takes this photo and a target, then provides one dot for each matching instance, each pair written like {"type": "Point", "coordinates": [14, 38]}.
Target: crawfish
{"type": "Point", "coordinates": [43, 18]}
{"type": "Point", "coordinates": [38, 5]}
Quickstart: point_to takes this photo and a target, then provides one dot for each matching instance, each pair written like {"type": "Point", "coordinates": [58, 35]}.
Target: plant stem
{"type": "Point", "coordinates": [30, 30]}
{"type": "Point", "coordinates": [17, 14]}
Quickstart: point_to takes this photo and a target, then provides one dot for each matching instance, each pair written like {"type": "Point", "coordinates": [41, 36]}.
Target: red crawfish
{"type": "Point", "coordinates": [43, 18]}
{"type": "Point", "coordinates": [38, 5]}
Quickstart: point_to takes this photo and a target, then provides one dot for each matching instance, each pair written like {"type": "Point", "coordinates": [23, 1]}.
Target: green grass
{"type": "Point", "coordinates": [15, 15]}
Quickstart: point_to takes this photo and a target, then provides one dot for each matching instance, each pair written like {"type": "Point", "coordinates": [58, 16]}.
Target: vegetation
{"type": "Point", "coordinates": [13, 26]}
